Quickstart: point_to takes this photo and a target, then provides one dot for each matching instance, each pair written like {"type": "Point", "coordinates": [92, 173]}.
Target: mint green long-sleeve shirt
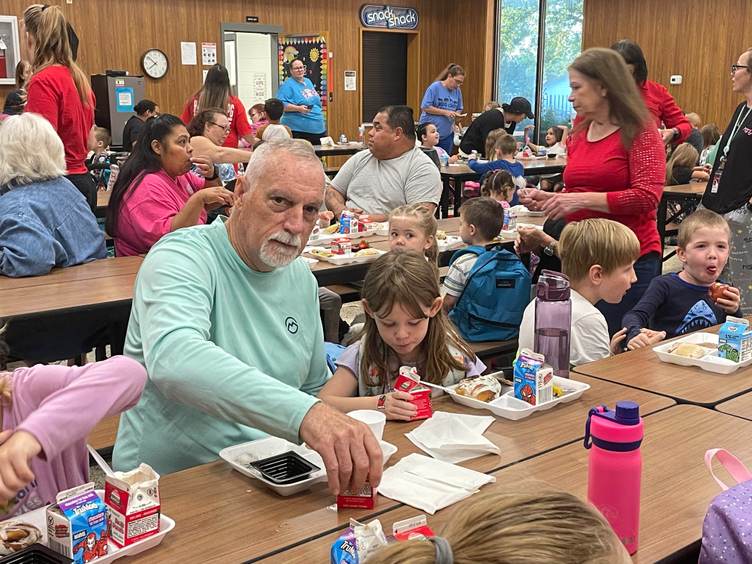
{"type": "Point", "coordinates": [231, 353]}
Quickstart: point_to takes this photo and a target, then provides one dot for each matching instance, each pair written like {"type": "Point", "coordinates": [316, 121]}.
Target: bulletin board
{"type": "Point", "coordinates": [312, 50]}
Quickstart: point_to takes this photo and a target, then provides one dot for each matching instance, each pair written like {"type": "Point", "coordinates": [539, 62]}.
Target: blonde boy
{"type": "Point", "coordinates": [679, 303]}
{"type": "Point", "coordinates": [597, 255]}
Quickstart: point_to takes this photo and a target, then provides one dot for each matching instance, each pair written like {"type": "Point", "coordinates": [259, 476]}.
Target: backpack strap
{"type": "Point", "coordinates": [472, 249]}
{"type": "Point", "coordinates": [732, 464]}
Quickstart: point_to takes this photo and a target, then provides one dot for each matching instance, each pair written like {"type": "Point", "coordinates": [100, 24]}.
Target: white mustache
{"type": "Point", "coordinates": [286, 238]}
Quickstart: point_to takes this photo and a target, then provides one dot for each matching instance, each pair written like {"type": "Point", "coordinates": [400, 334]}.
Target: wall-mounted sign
{"type": "Point", "coordinates": [389, 17]}
{"type": "Point", "coordinates": [251, 19]}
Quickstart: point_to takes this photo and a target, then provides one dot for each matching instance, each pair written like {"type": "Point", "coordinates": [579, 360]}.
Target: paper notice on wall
{"type": "Point", "coordinates": [350, 80]}
{"type": "Point", "coordinates": [188, 52]}
{"type": "Point", "coordinates": [208, 54]}
{"type": "Point", "coordinates": [259, 86]}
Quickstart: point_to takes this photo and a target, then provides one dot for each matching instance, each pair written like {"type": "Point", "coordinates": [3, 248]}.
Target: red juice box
{"type": "Point", "coordinates": [134, 504]}
{"type": "Point", "coordinates": [412, 528]}
{"type": "Point", "coordinates": [364, 498]}
{"type": "Point", "coordinates": [409, 381]}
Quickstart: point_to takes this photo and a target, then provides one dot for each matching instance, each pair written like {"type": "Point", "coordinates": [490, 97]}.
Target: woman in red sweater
{"type": "Point", "coordinates": [668, 116]}
{"type": "Point", "coordinates": [216, 93]}
{"type": "Point", "coordinates": [59, 91]}
{"type": "Point", "coordinates": [616, 165]}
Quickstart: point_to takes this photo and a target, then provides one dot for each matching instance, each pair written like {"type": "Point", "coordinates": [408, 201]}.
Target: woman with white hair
{"type": "Point", "coordinates": [44, 220]}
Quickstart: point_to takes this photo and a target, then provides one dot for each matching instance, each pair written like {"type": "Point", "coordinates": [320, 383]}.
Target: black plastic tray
{"type": "Point", "coordinates": [286, 468]}
{"type": "Point", "coordinates": [35, 554]}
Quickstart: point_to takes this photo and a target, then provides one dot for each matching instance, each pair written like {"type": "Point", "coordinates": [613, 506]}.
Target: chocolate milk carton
{"type": "Point", "coordinates": [133, 500]}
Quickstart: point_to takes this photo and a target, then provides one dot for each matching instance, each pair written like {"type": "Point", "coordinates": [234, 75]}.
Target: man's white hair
{"type": "Point", "coordinates": [264, 158]}
{"type": "Point", "coordinates": [30, 150]}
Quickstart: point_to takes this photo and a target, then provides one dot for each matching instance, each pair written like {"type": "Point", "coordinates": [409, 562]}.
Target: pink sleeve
{"type": "Point", "coordinates": [151, 216]}
{"type": "Point", "coordinates": [63, 404]}
{"type": "Point", "coordinates": [647, 159]}
{"type": "Point", "coordinates": [42, 99]}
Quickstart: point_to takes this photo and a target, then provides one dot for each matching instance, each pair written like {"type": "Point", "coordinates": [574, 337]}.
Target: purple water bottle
{"type": "Point", "coordinates": [553, 320]}
{"type": "Point", "coordinates": [615, 467]}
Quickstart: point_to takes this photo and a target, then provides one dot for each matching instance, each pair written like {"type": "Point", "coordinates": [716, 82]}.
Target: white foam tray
{"type": "Point", "coordinates": [451, 242]}
{"type": "Point", "coordinates": [350, 258]}
{"type": "Point", "coordinates": [520, 210]}
{"type": "Point", "coordinates": [710, 362]}
{"type": "Point", "coordinates": [239, 457]}
{"type": "Point", "coordinates": [509, 407]}
{"type": "Point", "coordinates": [321, 238]}
{"type": "Point", "coordinates": [38, 518]}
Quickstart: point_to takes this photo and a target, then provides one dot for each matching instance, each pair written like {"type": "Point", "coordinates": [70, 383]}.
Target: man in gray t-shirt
{"type": "Point", "coordinates": [393, 172]}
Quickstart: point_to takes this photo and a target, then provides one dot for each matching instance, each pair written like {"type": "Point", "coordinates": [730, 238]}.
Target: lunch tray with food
{"type": "Point", "coordinates": [500, 399]}
{"type": "Point", "coordinates": [323, 236]}
{"type": "Point", "coordinates": [34, 523]}
{"type": "Point", "coordinates": [356, 257]}
{"type": "Point", "coordinates": [449, 242]}
{"type": "Point", "coordinates": [520, 210]}
{"type": "Point", "coordinates": [282, 466]}
{"type": "Point", "coordinates": [698, 349]}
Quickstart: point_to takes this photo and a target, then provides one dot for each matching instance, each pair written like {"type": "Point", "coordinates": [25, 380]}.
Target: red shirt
{"type": "Point", "coordinates": [663, 108]}
{"type": "Point", "coordinates": [52, 94]}
{"type": "Point", "coordinates": [632, 179]}
{"type": "Point", "coordinates": [239, 126]}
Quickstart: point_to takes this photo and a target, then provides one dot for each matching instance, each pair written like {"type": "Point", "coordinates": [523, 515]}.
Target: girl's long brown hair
{"type": "Point", "coordinates": [408, 279]}
{"type": "Point", "coordinates": [425, 221]}
{"type": "Point", "coordinates": [524, 527]}
{"type": "Point", "coordinates": [51, 45]}
{"type": "Point", "coordinates": [684, 155]}
{"type": "Point", "coordinates": [626, 108]}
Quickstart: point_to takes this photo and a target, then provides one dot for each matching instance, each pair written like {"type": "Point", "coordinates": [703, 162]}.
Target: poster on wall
{"type": "Point", "coordinates": [10, 53]}
{"type": "Point", "coordinates": [312, 50]}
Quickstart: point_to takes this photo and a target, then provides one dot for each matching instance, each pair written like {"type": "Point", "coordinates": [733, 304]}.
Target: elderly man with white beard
{"type": "Point", "coordinates": [226, 322]}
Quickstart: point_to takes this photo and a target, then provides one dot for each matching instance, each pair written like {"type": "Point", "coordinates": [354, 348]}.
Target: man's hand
{"type": "Point", "coordinates": [348, 447]}
{"type": "Point", "coordinates": [16, 451]}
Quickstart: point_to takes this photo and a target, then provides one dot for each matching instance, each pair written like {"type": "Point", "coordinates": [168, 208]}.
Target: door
{"type": "Point", "coordinates": [384, 71]}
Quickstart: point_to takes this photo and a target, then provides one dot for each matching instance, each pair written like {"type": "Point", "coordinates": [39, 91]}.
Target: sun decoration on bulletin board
{"type": "Point", "coordinates": [312, 50]}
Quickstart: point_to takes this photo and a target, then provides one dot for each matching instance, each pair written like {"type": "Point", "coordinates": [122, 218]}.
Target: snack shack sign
{"type": "Point", "coordinates": [389, 17]}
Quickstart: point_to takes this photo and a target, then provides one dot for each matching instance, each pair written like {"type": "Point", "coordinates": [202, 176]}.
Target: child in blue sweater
{"type": "Point", "coordinates": [504, 150]}
{"type": "Point", "coordinates": [680, 303]}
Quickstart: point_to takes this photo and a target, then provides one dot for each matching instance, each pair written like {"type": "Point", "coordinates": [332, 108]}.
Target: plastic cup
{"type": "Point", "coordinates": [376, 420]}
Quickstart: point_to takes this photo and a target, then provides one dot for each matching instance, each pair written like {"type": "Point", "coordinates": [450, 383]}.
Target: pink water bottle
{"type": "Point", "coordinates": [615, 467]}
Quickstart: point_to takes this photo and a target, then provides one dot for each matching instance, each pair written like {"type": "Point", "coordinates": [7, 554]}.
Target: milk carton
{"type": "Point", "coordinates": [735, 340]}
{"type": "Point", "coordinates": [133, 499]}
{"type": "Point", "coordinates": [409, 381]}
{"type": "Point", "coordinates": [533, 379]}
{"type": "Point", "coordinates": [77, 524]}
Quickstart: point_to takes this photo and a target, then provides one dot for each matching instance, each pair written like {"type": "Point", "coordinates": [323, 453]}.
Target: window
{"type": "Point", "coordinates": [533, 56]}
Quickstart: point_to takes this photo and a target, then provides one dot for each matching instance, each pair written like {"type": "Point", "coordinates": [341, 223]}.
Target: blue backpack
{"type": "Point", "coordinates": [496, 293]}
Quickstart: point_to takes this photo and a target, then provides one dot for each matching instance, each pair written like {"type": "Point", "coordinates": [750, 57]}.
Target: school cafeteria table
{"type": "Point", "coordinates": [741, 406]}
{"type": "Point", "coordinates": [676, 487]}
{"type": "Point", "coordinates": [686, 384]}
{"type": "Point", "coordinates": [99, 283]}
{"type": "Point", "coordinates": [103, 200]}
{"type": "Point", "coordinates": [244, 520]}
{"type": "Point", "coordinates": [339, 149]}
{"type": "Point", "coordinates": [460, 173]}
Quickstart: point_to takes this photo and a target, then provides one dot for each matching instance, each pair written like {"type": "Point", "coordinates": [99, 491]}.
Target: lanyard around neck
{"type": "Point", "coordinates": [739, 122]}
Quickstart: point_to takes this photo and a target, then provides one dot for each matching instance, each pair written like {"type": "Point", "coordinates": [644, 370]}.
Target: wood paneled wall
{"type": "Point", "coordinates": [694, 38]}
{"type": "Point", "coordinates": [115, 33]}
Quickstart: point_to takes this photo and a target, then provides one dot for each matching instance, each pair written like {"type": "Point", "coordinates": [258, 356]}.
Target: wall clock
{"type": "Point", "coordinates": [155, 63]}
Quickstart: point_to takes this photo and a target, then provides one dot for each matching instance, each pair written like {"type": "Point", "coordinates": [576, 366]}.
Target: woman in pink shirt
{"type": "Point", "coordinates": [156, 191]}
{"type": "Point", "coordinates": [47, 411]}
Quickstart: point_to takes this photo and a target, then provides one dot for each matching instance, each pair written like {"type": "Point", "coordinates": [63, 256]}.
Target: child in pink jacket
{"type": "Point", "coordinates": [47, 412]}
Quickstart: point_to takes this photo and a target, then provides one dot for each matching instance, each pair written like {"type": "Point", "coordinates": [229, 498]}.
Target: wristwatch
{"type": "Point", "coordinates": [381, 403]}
{"type": "Point", "coordinates": [676, 132]}
{"type": "Point", "coordinates": [216, 173]}
{"type": "Point", "coordinates": [551, 249]}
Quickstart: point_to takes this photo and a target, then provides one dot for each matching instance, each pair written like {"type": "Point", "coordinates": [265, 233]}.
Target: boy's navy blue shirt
{"type": "Point", "coordinates": [672, 305]}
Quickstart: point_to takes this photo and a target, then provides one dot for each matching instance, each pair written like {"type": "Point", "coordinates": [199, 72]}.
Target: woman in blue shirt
{"type": "Point", "coordinates": [442, 102]}
{"type": "Point", "coordinates": [302, 105]}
